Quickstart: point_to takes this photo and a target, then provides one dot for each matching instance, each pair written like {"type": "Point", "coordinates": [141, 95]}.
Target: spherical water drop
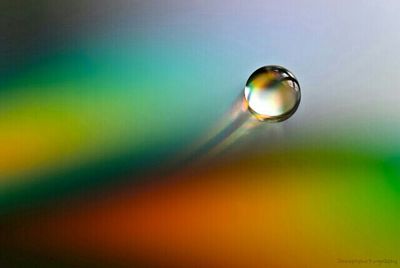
{"type": "Point", "coordinates": [272, 93]}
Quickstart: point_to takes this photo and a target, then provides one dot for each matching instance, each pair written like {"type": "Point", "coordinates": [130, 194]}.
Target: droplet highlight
{"type": "Point", "coordinates": [272, 94]}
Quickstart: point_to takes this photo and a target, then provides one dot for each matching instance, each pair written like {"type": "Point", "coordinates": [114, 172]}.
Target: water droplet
{"type": "Point", "coordinates": [272, 93]}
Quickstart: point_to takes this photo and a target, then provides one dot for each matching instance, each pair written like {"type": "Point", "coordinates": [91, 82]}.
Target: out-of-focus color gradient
{"type": "Point", "coordinates": [98, 99]}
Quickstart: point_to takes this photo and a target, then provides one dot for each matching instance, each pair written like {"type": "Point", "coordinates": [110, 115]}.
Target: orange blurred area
{"type": "Point", "coordinates": [229, 216]}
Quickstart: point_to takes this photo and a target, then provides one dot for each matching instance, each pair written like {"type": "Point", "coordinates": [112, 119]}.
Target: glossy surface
{"type": "Point", "coordinates": [97, 96]}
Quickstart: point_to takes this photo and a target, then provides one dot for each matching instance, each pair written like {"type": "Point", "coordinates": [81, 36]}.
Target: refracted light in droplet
{"type": "Point", "coordinates": [272, 93]}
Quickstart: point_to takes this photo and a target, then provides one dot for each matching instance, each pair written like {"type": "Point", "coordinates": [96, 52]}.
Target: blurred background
{"type": "Point", "coordinates": [98, 99]}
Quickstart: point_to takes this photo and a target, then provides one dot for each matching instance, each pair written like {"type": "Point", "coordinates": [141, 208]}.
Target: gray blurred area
{"type": "Point", "coordinates": [31, 27]}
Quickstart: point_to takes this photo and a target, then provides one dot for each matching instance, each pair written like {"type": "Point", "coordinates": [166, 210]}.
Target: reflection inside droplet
{"type": "Point", "coordinates": [272, 93]}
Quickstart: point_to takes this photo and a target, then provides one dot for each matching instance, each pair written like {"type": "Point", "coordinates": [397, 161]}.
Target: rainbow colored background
{"type": "Point", "coordinates": [97, 98]}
